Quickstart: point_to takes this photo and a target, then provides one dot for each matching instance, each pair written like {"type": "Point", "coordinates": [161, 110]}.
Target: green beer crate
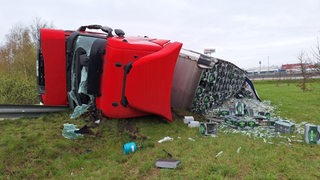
{"type": "Point", "coordinates": [312, 134]}
{"type": "Point", "coordinates": [251, 123]}
{"type": "Point", "coordinates": [242, 123]}
{"type": "Point", "coordinates": [284, 126]}
{"type": "Point", "coordinates": [246, 123]}
{"type": "Point", "coordinates": [231, 121]}
{"type": "Point", "coordinates": [271, 122]}
{"type": "Point", "coordinates": [239, 108]}
{"type": "Point", "coordinates": [224, 112]}
{"type": "Point", "coordinates": [208, 128]}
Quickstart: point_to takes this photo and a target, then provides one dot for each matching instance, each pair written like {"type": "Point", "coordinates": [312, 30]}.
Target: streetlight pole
{"type": "Point", "coordinates": [260, 67]}
{"type": "Point", "coordinates": [268, 63]}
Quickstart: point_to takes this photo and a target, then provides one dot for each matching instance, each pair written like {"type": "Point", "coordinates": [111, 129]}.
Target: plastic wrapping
{"type": "Point", "coordinates": [69, 131]}
{"type": "Point", "coordinates": [79, 110]}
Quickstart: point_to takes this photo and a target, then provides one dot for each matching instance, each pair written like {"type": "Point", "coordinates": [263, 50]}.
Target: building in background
{"type": "Point", "coordinates": [263, 70]}
{"type": "Point", "coordinates": [284, 71]}
{"type": "Point", "coordinates": [296, 68]}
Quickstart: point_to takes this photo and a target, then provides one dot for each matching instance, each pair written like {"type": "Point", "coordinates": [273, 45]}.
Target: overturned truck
{"type": "Point", "coordinates": [131, 76]}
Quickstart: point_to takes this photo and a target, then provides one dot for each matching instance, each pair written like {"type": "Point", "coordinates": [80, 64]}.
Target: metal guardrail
{"type": "Point", "coordinates": [18, 111]}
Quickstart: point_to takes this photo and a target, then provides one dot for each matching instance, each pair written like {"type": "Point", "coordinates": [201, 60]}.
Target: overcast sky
{"type": "Point", "coordinates": [242, 31]}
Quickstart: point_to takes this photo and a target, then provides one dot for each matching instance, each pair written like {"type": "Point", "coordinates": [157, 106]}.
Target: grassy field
{"type": "Point", "coordinates": [291, 102]}
{"type": "Point", "coordinates": [35, 148]}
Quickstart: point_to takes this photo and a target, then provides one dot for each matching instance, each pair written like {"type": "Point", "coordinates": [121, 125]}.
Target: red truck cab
{"type": "Point", "coordinates": [122, 76]}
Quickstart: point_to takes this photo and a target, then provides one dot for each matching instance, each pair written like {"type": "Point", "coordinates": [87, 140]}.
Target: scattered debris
{"type": "Point", "coordinates": [191, 139]}
{"type": "Point", "coordinates": [167, 163]}
{"type": "Point", "coordinates": [219, 154]}
{"type": "Point", "coordinates": [253, 118]}
{"type": "Point", "coordinates": [242, 107]}
{"type": "Point", "coordinates": [79, 110]}
{"type": "Point", "coordinates": [69, 131]}
{"type": "Point", "coordinates": [193, 124]}
{"type": "Point", "coordinates": [264, 140]}
{"type": "Point", "coordinates": [129, 147]}
{"type": "Point", "coordinates": [187, 119]}
{"type": "Point", "coordinates": [167, 138]}
{"type": "Point", "coordinates": [85, 130]}
{"type": "Point", "coordinates": [263, 132]}
{"type": "Point", "coordinates": [238, 150]}
{"type": "Point", "coordinates": [213, 135]}
{"type": "Point", "coordinates": [169, 154]}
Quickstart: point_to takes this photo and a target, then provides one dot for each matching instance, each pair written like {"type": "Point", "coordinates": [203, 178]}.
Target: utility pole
{"type": "Point", "coordinates": [268, 64]}
{"type": "Point", "coordinates": [260, 67]}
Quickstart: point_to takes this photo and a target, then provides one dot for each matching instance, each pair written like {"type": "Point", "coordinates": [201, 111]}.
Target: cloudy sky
{"type": "Point", "coordinates": [242, 31]}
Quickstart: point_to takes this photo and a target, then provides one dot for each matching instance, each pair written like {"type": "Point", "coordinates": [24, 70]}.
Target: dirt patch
{"type": "Point", "coordinates": [128, 127]}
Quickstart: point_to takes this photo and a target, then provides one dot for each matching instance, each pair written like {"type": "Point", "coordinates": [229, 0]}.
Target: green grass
{"type": "Point", "coordinates": [35, 148]}
{"type": "Point", "coordinates": [291, 101]}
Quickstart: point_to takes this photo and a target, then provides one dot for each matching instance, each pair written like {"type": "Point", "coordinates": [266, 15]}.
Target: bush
{"type": "Point", "coordinates": [16, 89]}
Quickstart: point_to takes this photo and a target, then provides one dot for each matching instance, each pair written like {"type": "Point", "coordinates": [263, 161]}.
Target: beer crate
{"type": "Point", "coordinates": [208, 128]}
{"type": "Point", "coordinates": [312, 134]}
{"type": "Point", "coordinates": [284, 126]}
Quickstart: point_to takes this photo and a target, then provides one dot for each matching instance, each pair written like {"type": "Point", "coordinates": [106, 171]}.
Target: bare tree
{"type": "Point", "coordinates": [14, 42]}
{"type": "Point", "coordinates": [316, 56]}
{"type": "Point", "coordinates": [304, 63]}
{"type": "Point", "coordinates": [37, 24]}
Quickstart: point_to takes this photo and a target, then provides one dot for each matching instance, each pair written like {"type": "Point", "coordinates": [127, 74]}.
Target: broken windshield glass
{"type": "Point", "coordinates": [79, 74]}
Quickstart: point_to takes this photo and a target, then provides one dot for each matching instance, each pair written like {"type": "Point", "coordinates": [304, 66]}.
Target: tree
{"type": "Point", "coordinates": [18, 54]}
{"type": "Point", "coordinates": [304, 63]}
{"type": "Point", "coordinates": [37, 24]}
{"type": "Point", "coordinates": [316, 56]}
{"type": "Point", "coordinates": [19, 51]}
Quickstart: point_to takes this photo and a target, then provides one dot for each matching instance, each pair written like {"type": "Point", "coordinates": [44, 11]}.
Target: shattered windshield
{"type": "Point", "coordinates": [85, 42]}
{"type": "Point", "coordinates": [79, 74]}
